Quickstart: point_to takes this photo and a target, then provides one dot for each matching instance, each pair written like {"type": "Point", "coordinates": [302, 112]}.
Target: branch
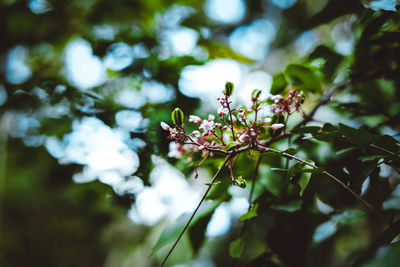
{"type": "Point", "coordinates": [364, 202]}
{"type": "Point", "coordinates": [195, 211]}
{"type": "Point", "coordinates": [324, 100]}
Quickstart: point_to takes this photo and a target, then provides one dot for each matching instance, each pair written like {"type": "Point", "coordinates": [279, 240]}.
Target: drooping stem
{"type": "Point", "coordinates": [357, 196]}
{"type": "Point", "coordinates": [195, 211]}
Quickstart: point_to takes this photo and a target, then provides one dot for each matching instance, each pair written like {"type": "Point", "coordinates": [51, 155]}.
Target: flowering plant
{"type": "Point", "coordinates": [235, 130]}
{"type": "Point", "coordinates": [255, 128]}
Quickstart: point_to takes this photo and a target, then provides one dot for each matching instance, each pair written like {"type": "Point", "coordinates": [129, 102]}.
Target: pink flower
{"type": "Point", "coordinates": [195, 133]}
{"type": "Point", "coordinates": [207, 125]}
{"type": "Point", "coordinates": [195, 119]}
{"type": "Point", "coordinates": [277, 126]}
{"type": "Point", "coordinates": [165, 126]}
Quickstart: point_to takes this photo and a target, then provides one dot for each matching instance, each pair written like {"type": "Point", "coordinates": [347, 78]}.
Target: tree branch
{"type": "Point", "coordinates": [357, 196]}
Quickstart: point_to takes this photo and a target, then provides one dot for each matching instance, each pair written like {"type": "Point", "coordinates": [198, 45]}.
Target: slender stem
{"type": "Point", "coordinates": [357, 196]}
{"type": "Point", "coordinates": [383, 149]}
{"type": "Point", "coordinates": [195, 211]}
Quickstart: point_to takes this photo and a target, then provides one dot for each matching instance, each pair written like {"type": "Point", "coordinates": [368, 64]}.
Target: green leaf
{"type": "Point", "coordinates": [295, 168]}
{"type": "Point", "coordinates": [236, 248]}
{"type": "Point", "coordinates": [250, 214]}
{"type": "Point", "coordinates": [327, 127]}
{"type": "Point", "coordinates": [307, 129]}
{"type": "Point", "coordinates": [331, 60]}
{"type": "Point", "coordinates": [327, 136]}
{"type": "Point", "coordinates": [303, 77]}
{"type": "Point", "coordinates": [370, 158]}
{"type": "Point", "coordinates": [230, 146]}
{"type": "Point", "coordinates": [357, 137]}
{"type": "Point", "coordinates": [290, 151]}
{"type": "Point", "coordinates": [301, 174]}
{"type": "Point", "coordinates": [332, 10]}
{"type": "Point", "coordinates": [279, 84]}
{"type": "Point", "coordinates": [303, 182]}
{"type": "Point", "coordinates": [292, 206]}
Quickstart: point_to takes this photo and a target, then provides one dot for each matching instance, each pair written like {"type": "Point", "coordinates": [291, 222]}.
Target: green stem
{"type": "Point", "coordinates": [357, 196]}
{"type": "Point", "coordinates": [195, 211]}
{"type": "Point", "coordinates": [383, 149]}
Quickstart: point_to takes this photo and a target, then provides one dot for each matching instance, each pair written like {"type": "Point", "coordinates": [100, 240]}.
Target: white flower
{"type": "Point", "coordinates": [195, 119]}
{"type": "Point", "coordinates": [196, 133]}
{"type": "Point", "coordinates": [207, 125]}
{"type": "Point", "coordinates": [222, 111]}
{"type": "Point", "coordinates": [211, 117]}
{"type": "Point", "coordinates": [277, 126]}
{"type": "Point", "coordinates": [165, 126]}
{"type": "Point", "coordinates": [267, 120]}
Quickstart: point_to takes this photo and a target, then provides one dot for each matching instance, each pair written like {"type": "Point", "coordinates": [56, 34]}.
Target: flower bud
{"type": "Point", "coordinates": [277, 126]}
{"type": "Point", "coordinates": [177, 116]}
{"type": "Point", "coordinates": [165, 126]}
{"type": "Point", "coordinates": [240, 182]}
{"type": "Point", "coordinates": [255, 94]}
{"type": "Point", "coordinates": [228, 88]}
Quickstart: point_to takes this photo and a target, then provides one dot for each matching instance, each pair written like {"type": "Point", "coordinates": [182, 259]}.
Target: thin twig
{"type": "Point", "coordinates": [195, 211]}
{"type": "Point", "coordinates": [357, 196]}
{"type": "Point", "coordinates": [324, 100]}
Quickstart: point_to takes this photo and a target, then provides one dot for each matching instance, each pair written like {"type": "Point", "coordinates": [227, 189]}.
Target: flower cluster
{"type": "Point", "coordinates": [288, 105]}
{"type": "Point", "coordinates": [241, 129]}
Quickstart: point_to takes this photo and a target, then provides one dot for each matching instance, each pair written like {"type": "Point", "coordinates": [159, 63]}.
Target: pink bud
{"type": "Point", "coordinates": [165, 126]}
{"type": "Point", "coordinates": [277, 126]}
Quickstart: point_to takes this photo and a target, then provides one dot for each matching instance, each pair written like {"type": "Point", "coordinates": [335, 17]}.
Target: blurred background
{"type": "Point", "coordinates": [85, 176]}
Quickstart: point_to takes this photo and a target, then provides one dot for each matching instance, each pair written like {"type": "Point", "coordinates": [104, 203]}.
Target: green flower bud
{"type": "Point", "coordinates": [240, 182]}
{"type": "Point", "coordinates": [177, 116]}
{"type": "Point", "coordinates": [228, 88]}
{"type": "Point", "coordinates": [255, 94]}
